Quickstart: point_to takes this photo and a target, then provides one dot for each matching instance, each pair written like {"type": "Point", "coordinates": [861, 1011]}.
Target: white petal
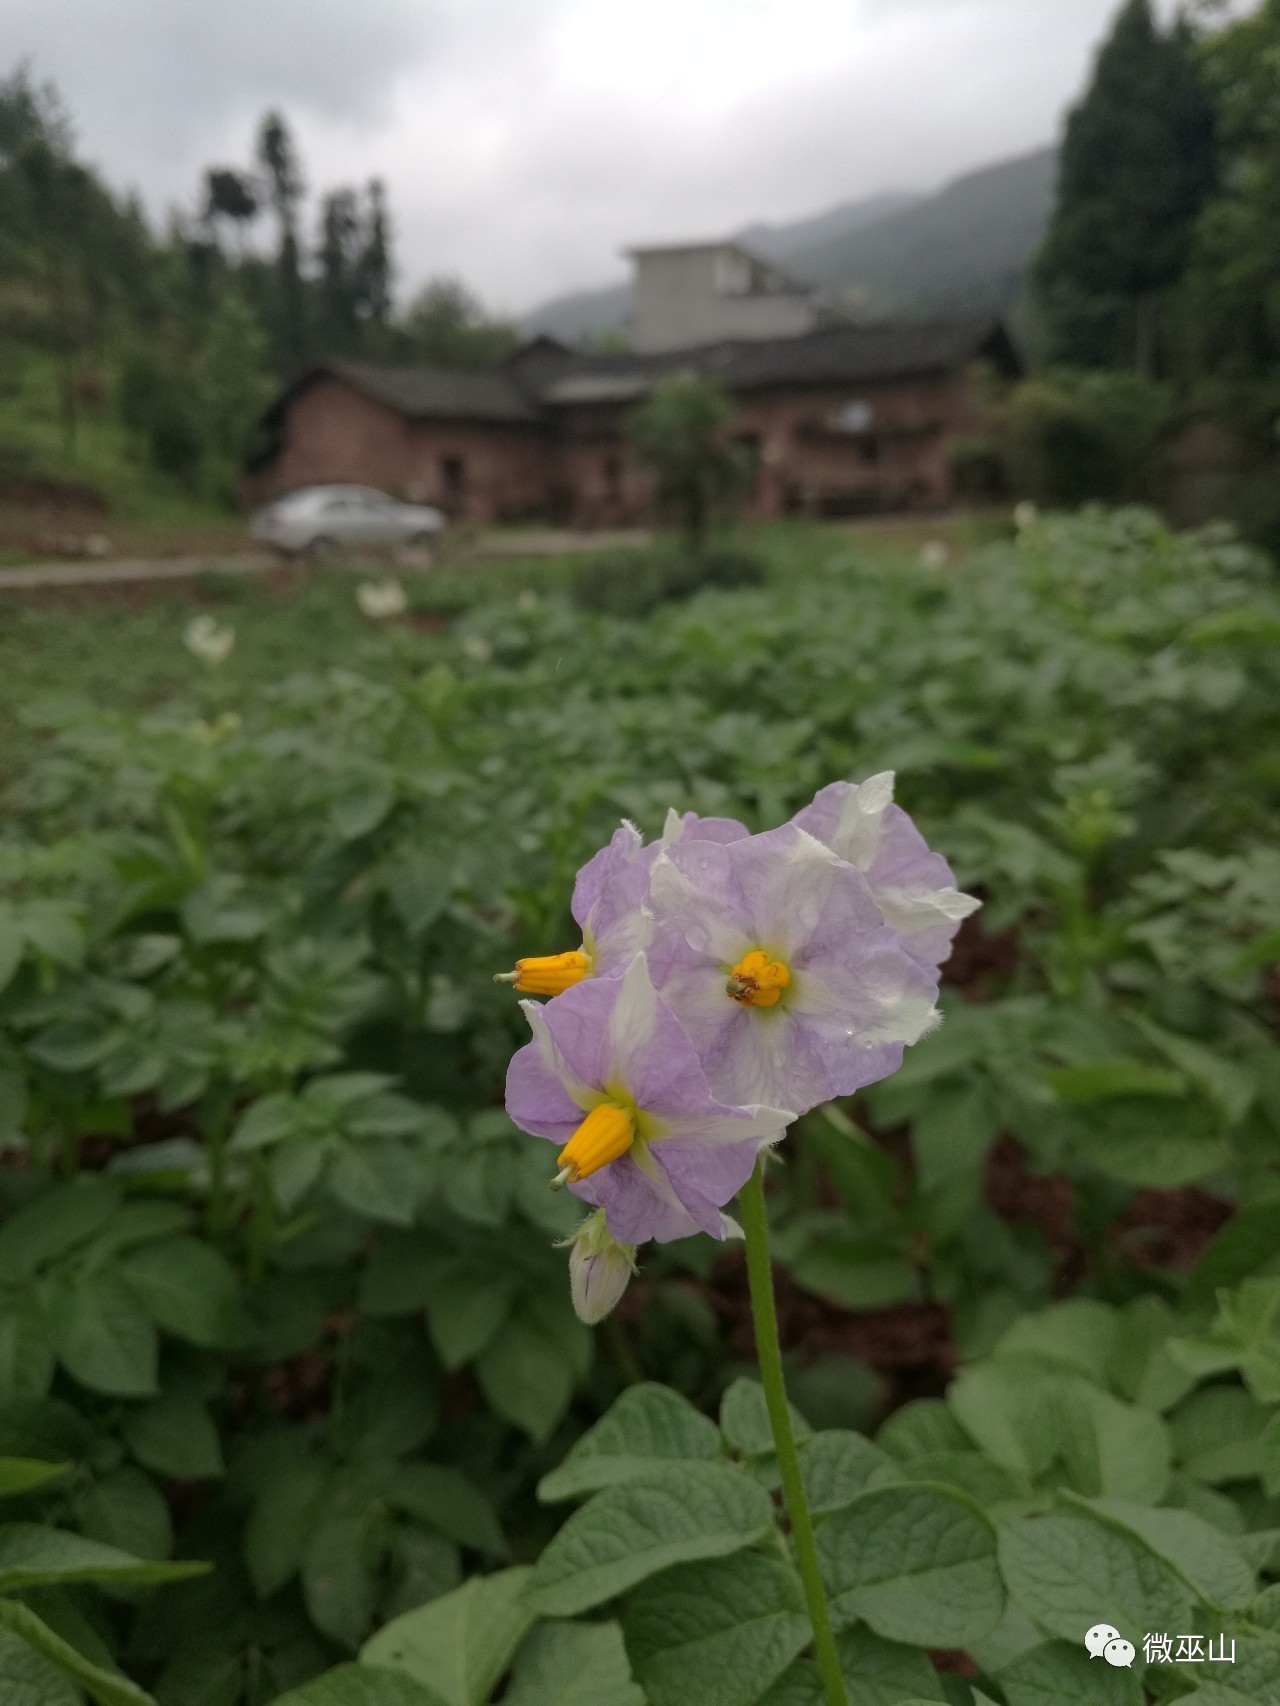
{"type": "Point", "coordinates": [633, 1020]}
{"type": "Point", "coordinates": [857, 834]}
{"type": "Point", "coordinates": [767, 1124]}
{"type": "Point", "coordinates": [911, 910]}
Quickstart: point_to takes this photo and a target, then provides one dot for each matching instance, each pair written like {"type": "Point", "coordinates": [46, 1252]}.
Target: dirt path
{"type": "Point", "coordinates": [28, 577]}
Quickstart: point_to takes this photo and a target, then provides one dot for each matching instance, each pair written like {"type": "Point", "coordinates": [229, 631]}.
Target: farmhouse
{"type": "Point", "coordinates": [838, 418]}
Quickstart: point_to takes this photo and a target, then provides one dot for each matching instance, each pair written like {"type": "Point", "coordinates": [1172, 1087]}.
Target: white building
{"type": "Point", "coordinates": [703, 293]}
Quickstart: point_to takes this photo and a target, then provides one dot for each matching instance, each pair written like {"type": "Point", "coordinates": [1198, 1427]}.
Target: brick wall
{"type": "Point", "coordinates": [473, 470]}
{"type": "Point", "coordinates": [581, 471]}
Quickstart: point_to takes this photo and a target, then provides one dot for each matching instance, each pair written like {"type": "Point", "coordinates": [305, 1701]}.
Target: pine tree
{"type": "Point", "coordinates": [289, 328]}
{"type": "Point", "coordinates": [1138, 162]}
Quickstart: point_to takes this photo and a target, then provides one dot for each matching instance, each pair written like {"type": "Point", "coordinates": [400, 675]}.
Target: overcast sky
{"type": "Point", "coordinates": [524, 143]}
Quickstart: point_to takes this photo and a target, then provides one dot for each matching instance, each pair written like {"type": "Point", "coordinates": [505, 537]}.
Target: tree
{"type": "Point", "coordinates": [230, 195]}
{"type": "Point", "coordinates": [279, 161]}
{"type": "Point", "coordinates": [445, 323]}
{"type": "Point", "coordinates": [1138, 162]}
{"type": "Point", "coordinates": [1232, 300]}
{"type": "Point", "coordinates": [680, 433]}
{"type": "Point", "coordinates": [339, 284]}
{"type": "Point", "coordinates": [375, 260]}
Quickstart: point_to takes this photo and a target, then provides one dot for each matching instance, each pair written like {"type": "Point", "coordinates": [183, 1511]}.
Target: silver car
{"type": "Point", "coordinates": [326, 521]}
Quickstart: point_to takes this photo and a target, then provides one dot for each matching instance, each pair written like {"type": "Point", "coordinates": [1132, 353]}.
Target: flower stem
{"type": "Point", "coordinates": [760, 1279]}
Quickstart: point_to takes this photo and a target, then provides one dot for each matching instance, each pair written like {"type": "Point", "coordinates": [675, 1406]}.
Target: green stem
{"type": "Point", "coordinates": [760, 1278]}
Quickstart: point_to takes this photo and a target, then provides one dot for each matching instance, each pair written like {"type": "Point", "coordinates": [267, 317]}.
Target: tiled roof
{"type": "Point", "coordinates": [833, 355]}
{"type": "Point", "coordinates": [441, 393]}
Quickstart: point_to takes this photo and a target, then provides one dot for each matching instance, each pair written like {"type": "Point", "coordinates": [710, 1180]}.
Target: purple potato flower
{"type": "Point", "coordinates": [610, 905]}
{"type": "Point", "coordinates": [774, 956]}
{"type": "Point", "coordinates": [913, 887]}
{"type": "Point", "coordinates": [612, 1078]}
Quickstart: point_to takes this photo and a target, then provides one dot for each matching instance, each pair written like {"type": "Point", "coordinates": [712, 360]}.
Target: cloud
{"type": "Point", "coordinates": [526, 142]}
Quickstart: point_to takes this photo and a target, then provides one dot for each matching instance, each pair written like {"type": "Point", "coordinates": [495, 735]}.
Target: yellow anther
{"type": "Point", "coordinates": [551, 974]}
{"type": "Point", "coordinates": [606, 1133]}
{"type": "Point", "coordinates": [757, 981]}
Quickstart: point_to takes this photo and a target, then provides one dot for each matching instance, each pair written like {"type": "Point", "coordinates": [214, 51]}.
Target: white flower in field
{"type": "Point", "coordinates": [477, 648]}
{"type": "Point", "coordinates": [381, 599]}
{"type": "Point", "coordinates": [1025, 516]}
{"type": "Point", "coordinates": [528, 600]}
{"type": "Point", "coordinates": [209, 640]}
{"type": "Point", "coordinates": [935, 554]}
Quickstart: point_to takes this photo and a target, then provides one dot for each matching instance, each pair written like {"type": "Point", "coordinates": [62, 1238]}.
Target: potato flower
{"type": "Point", "coordinates": [381, 600]}
{"type": "Point", "coordinates": [772, 953]}
{"type": "Point", "coordinates": [913, 887]}
{"type": "Point", "coordinates": [612, 1078]}
{"type": "Point", "coordinates": [208, 639]}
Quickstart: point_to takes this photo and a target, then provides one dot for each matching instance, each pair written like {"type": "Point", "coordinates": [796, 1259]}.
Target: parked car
{"type": "Point", "coordinates": [323, 521]}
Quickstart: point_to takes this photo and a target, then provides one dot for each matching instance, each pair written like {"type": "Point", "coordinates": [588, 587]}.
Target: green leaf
{"type": "Point", "coordinates": [1207, 1560]}
{"type": "Point", "coordinates": [718, 1633]}
{"type": "Point", "coordinates": [1067, 1572]}
{"type": "Point", "coordinates": [32, 1556]}
{"type": "Point", "coordinates": [445, 1500]}
{"type": "Point", "coordinates": [377, 1180]}
{"type": "Point", "coordinates": [885, 1673]}
{"type": "Point", "coordinates": [388, 1413]}
{"type": "Point", "coordinates": [360, 1685]}
{"type": "Point", "coordinates": [1149, 1140]}
{"type": "Point", "coordinates": [191, 1290]}
{"type": "Point", "coordinates": [21, 1474]}
{"type": "Point", "coordinates": [1011, 1408]}
{"type": "Point", "coordinates": [174, 1435]}
{"type": "Point", "coordinates": [1099, 1080]}
{"type": "Point", "coordinates": [103, 1338]}
{"type": "Point", "coordinates": [526, 1374]}
{"type": "Point", "coordinates": [461, 1643]}
{"type": "Point", "coordinates": [917, 1563]}
{"type": "Point", "coordinates": [28, 1356]}
{"type": "Point", "coordinates": [952, 1133]}
{"type": "Point", "coordinates": [837, 1466]}
{"type": "Point", "coordinates": [1080, 1334]}
{"type": "Point", "coordinates": [573, 1664]}
{"type": "Point", "coordinates": [744, 1419]}
{"type": "Point", "coordinates": [1225, 1083]}
{"type": "Point", "coordinates": [27, 1678]}
{"type": "Point", "coordinates": [920, 1428]}
{"type": "Point", "coordinates": [399, 1277]}
{"type": "Point", "coordinates": [467, 1307]}
{"type": "Point", "coordinates": [672, 1515]}
{"type": "Point", "coordinates": [279, 1522]}
{"type": "Point", "coordinates": [53, 1224]}
{"type": "Point", "coordinates": [1249, 1240]}
{"type": "Point", "coordinates": [268, 1121]}
{"type": "Point", "coordinates": [341, 1559]}
{"type": "Point", "coordinates": [1217, 1435]}
{"type": "Point", "coordinates": [1061, 1673]}
{"type": "Point", "coordinates": [125, 1509]}
{"type": "Point", "coordinates": [107, 1687]}
{"type": "Point", "coordinates": [648, 1425]}
{"type": "Point", "coordinates": [1113, 1448]}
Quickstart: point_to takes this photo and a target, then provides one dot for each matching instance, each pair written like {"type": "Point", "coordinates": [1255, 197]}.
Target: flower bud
{"type": "Point", "coordinates": [600, 1269]}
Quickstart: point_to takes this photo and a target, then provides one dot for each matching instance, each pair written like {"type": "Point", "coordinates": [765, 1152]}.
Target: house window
{"type": "Point", "coordinates": [454, 473]}
{"type": "Point", "coordinates": [856, 416]}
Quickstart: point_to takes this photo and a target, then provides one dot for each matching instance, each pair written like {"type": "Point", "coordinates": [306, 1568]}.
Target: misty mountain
{"type": "Point", "coordinates": [964, 250]}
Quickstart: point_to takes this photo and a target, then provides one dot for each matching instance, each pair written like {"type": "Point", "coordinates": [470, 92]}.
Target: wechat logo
{"type": "Point", "coordinates": [1105, 1642]}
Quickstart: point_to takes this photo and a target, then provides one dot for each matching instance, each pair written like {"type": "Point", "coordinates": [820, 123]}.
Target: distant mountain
{"type": "Point", "coordinates": [964, 250]}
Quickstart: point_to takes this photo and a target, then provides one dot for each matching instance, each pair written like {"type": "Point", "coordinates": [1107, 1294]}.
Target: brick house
{"type": "Point", "coordinates": [841, 420]}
